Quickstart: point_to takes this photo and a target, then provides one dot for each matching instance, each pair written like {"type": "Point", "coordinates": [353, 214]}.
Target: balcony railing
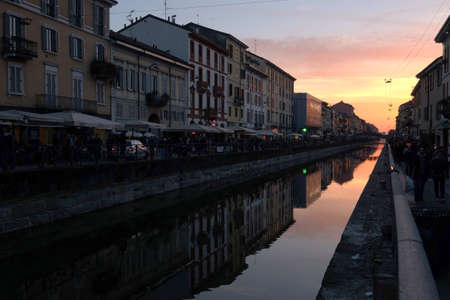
{"type": "Point", "coordinates": [218, 91]}
{"type": "Point", "coordinates": [19, 47]}
{"type": "Point", "coordinates": [103, 70]}
{"type": "Point", "coordinates": [155, 100]}
{"type": "Point", "coordinates": [51, 102]}
{"type": "Point", "coordinates": [202, 86]}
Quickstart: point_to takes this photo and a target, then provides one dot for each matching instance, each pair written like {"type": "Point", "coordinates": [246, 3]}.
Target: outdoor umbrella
{"type": "Point", "coordinates": [243, 130]}
{"type": "Point", "coordinates": [189, 128]}
{"type": "Point", "coordinates": [72, 118]}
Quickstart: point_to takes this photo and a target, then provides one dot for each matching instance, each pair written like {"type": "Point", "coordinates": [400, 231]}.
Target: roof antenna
{"type": "Point", "coordinates": [165, 9]}
{"type": "Point", "coordinates": [130, 16]}
{"type": "Point", "coordinates": [255, 46]}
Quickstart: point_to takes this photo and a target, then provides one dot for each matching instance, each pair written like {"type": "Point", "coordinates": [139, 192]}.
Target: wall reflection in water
{"type": "Point", "coordinates": [173, 255]}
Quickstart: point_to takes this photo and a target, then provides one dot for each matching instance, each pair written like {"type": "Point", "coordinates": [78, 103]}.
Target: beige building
{"type": "Point", "coordinates": [151, 85]}
{"type": "Point", "coordinates": [55, 55]}
{"type": "Point", "coordinates": [280, 91]}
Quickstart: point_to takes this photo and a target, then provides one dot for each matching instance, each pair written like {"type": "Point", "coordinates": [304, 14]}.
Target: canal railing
{"type": "Point", "coordinates": [415, 279]}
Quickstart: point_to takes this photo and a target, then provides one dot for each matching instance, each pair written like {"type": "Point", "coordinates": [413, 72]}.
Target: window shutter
{"type": "Point", "coordinates": [20, 71]}
{"type": "Point", "coordinates": [71, 12]}
{"type": "Point", "coordinates": [54, 42]}
{"type": "Point", "coordinates": [6, 24]}
{"type": "Point", "coordinates": [80, 48]}
{"type": "Point", "coordinates": [11, 79]}
{"type": "Point", "coordinates": [44, 38]}
{"type": "Point", "coordinates": [71, 46]}
{"type": "Point", "coordinates": [43, 10]}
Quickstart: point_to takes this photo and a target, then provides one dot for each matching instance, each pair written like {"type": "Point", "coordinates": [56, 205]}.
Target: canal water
{"type": "Point", "coordinates": [271, 238]}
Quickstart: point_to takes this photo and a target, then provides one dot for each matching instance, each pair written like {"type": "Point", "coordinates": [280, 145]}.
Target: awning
{"type": "Point", "coordinates": [72, 118]}
{"type": "Point", "coordinates": [224, 130]}
{"type": "Point", "coordinates": [30, 118]}
{"type": "Point", "coordinates": [187, 128]}
{"type": "Point", "coordinates": [243, 130]}
{"type": "Point", "coordinates": [265, 133]}
{"type": "Point", "coordinates": [137, 124]}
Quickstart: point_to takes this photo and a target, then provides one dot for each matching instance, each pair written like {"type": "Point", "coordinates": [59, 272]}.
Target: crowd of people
{"type": "Point", "coordinates": [422, 163]}
{"type": "Point", "coordinates": [77, 148]}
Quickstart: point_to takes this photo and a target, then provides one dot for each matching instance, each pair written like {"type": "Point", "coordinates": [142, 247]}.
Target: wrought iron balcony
{"type": "Point", "coordinates": [155, 100]}
{"type": "Point", "coordinates": [202, 86]}
{"type": "Point", "coordinates": [19, 47]}
{"type": "Point", "coordinates": [218, 91]}
{"type": "Point", "coordinates": [57, 103]}
{"type": "Point", "coordinates": [103, 70]}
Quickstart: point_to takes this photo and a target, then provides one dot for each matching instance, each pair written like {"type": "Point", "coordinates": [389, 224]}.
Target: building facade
{"type": "Point", "coordinates": [56, 56]}
{"type": "Point", "coordinates": [151, 85]}
{"type": "Point", "coordinates": [255, 92]}
{"type": "Point", "coordinates": [307, 113]}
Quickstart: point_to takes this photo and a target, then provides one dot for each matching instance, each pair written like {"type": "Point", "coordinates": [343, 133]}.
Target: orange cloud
{"type": "Point", "coordinates": [353, 69]}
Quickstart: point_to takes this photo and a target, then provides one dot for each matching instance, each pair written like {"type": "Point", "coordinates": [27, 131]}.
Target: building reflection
{"type": "Point", "coordinates": [310, 181]}
{"type": "Point", "coordinates": [176, 254]}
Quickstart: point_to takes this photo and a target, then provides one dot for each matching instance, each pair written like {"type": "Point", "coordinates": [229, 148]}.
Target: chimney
{"type": "Point", "coordinates": [136, 19]}
{"type": "Point", "coordinates": [173, 18]}
{"type": "Point", "coordinates": [124, 25]}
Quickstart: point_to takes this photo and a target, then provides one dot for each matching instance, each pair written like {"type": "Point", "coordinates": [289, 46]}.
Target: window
{"type": "Point", "coordinates": [132, 80]}
{"type": "Point", "coordinates": [181, 89]}
{"type": "Point", "coordinates": [13, 26]}
{"type": "Point", "coordinates": [99, 19]}
{"type": "Point", "coordinates": [49, 39]}
{"type": "Point", "coordinates": [119, 110]}
{"type": "Point", "coordinates": [51, 85]}
{"type": "Point", "coordinates": [166, 115]}
{"type": "Point", "coordinates": [76, 12]}
{"type": "Point", "coordinates": [192, 75]}
{"type": "Point", "coordinates": [230, 90]}
{"type": "Point", "coordinates": [144, 82]}
{"type": "Point", "coordinates": [230, 68]}
{"type": "Point", "coordinates": [100, 92]}
{"type": "Point", "coordinates": [230, 50]}
{"type": "Point", "coordinates": [192, 50]}
{"type": "Point", "coordinates": [49, 7]}
{"type": "Point", "coordinates": [76, 47]}
{"type": "Point", "coordinates": [229, 111]}
{"type": "Point", "coordinates": [222, 63]}
{"type": "Point", "coordinates": [77, 85]}
{"type": "Point", "coordinates": [208, 57]}
{"type": "Point", "coordinates": [200, 74]}
{"type": "Point", "coordinates": [215, 60]}
{"type": "Point", "coordinates": [15, 79]}
{"type": "Point", "coordinates": [215, 79]}
{"type": "Point", "coordinates": [165, 84]}
{"type": "Point", "coordinates": [208, 77]}
{"type": "Point", "coordinates": [200, 53]}
{"type": "Point", "coordinates": [100, 52]}
{"type": "Point", "coordinates": [119, 78]}
{"type": "Point", "coordinates": [155, 84]}
{"type": "Point", "coordinates": [173, 87]}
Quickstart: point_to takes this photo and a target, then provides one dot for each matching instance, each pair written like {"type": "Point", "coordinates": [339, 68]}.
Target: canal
{"type": "Point", "coordinates": [270, 238]}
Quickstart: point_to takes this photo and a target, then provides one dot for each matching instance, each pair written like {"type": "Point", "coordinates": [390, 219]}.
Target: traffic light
{"type": "Point", "coordinates": [304, 171]}
{"type": "Point", "coordinates": [304, 130]}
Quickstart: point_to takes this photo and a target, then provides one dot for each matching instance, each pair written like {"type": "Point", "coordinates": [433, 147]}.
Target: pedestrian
{"type": "Point", "coordinates": [420, 173]}
{"type": "Point", "coordinates": [439, 172]}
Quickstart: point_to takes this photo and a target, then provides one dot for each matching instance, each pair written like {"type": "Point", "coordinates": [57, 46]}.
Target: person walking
{"type": "Point", "coordinates": [420, 173]}
{"type": "Point", "coordinates": [439, 172]}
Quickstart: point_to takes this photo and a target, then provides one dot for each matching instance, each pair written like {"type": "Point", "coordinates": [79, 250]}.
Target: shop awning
{"type": "Point", "coordinates": [72, 118]}
{"type": "Point", "coordinates": [186, 128]}
{"type": "Point", "coordinates": [243, 130]}
{"type": "Point", "coordinates": [137, 124]}
{"type": "Point", "coordinates": [30, 118]}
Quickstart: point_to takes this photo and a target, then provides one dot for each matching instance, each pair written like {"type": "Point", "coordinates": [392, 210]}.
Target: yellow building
{"type": "Point", "coordinates": [55, 56]}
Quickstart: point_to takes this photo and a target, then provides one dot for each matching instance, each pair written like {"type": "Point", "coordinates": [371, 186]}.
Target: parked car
{"type": "Point", "coordinates": [135, 149]}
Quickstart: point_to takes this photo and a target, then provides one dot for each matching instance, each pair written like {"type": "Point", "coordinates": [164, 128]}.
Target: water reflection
{"type": "Point", "coordinates": [178, 253]}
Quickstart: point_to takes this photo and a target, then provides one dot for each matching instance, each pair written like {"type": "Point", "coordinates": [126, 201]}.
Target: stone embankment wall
{"type": "Point", "coordinates": [51, 206]}
{"type": "Point", "coordinates": [363, 265]}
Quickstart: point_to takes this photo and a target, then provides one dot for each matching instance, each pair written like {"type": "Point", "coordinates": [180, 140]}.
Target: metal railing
{"type": "Point", "coordinates": [19, 47]}
{"type": "Point", "coordinates": [52, 102]}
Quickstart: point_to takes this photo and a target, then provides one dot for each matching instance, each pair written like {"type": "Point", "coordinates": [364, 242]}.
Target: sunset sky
{"type": "Point", "coordinates": [337, 50]}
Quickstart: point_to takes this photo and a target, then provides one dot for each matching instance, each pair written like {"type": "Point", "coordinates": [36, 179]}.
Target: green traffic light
{"type": "Point", "coordinates": [304, 130]}
{"type": "Point", "coordinates": [304, 171]}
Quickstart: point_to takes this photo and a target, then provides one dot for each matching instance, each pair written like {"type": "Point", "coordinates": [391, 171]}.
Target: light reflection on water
{"type": "Point", "coordinates": [271, 240]}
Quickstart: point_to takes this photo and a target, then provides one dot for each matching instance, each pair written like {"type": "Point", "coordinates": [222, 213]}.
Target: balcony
{"type": "Point", "coordinates": [103, 70]}
{"type": "Point", "coordinates": [238, 101]}
{"type": "Point", "coordinates": [19, 48]}
{"type": "Point", "coordinates": [155, 100]}
{"type": "Point", "coordinates": [211, 114]}
{"type": "Point", "coordinates": [218, 91]}
{"type": "Point", "coordinates": [56, 103]}
{"type": "Point", "coordinates": [202, 86]}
